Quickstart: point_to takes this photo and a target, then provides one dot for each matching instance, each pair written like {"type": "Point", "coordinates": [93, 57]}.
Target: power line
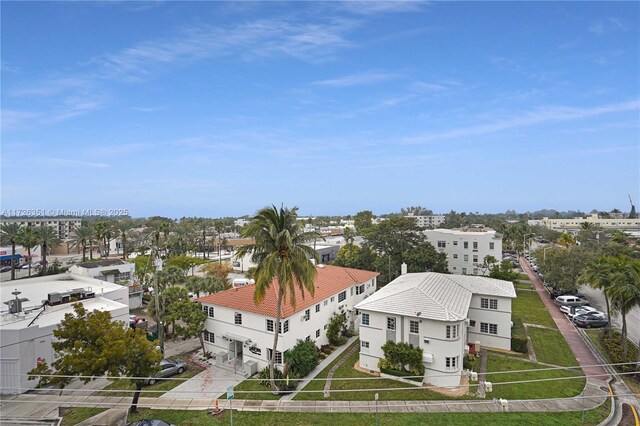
{"type": "Point", "coordinates": [337, 379]}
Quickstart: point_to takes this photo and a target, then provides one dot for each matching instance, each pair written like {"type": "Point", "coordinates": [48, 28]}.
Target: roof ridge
{"type": "Point", "coordinates": [349, 273]}
{"type": "Point", "coordinates": [447, 310]}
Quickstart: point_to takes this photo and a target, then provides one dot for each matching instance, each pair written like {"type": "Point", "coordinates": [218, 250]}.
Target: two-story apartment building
{"type": "Point", "coordinates": [440, 313]}
{"type": "Point", "coordinates": [238, 330]}
{"type": "Point", "coordinates": [466, 248]}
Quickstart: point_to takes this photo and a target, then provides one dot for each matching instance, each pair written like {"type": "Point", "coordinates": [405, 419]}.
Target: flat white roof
{"type": "Point", "coordinates": [55, 314]}
{"type": "Point", "coordinates": [36, 289]}
{"type": "Point", "coordinates": [481, 231]}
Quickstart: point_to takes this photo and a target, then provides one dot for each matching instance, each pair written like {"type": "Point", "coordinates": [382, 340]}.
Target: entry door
{"type": "Point", "coordinates": [238, 349]}
{"type": "Point", "coordinates": [232, 350]}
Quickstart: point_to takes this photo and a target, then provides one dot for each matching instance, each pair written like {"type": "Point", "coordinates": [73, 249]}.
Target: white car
{"type": "Point", "coordinates": [585, 310]}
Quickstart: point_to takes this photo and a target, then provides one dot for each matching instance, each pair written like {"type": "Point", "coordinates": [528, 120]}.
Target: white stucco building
{"type": "Point", "coordinates": [26, 335]}
{"type": "Point", "coordinates": [440, 313]}
{"type": "Point", "coordinates": [428, 221]}
{"type": "Point", "coordinates": [466, 248]}
{"type": "Point", "coordinates": [239, 331]}
{"type": "Point", "coordinates": [575, 224]}
{"type": "Point", "coordinates": [114, 271]}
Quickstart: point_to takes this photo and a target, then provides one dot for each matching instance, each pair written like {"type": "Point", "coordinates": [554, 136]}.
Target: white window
{"type": "Point", "coordinates": [442, 244]}
{"type": "Point", "coordinates": [270, 325]}
{"type": "Point", "coordinates": [364, 344]}
{"type": "Point", "coordinates": [488, 303]}
{"type": "Point", "coordinates": [286, 326]}
{"type": "Point", "coordinates": [359, 289]}
{"type": "Point", "coordinates": [317, 333]}
{"type": "Point", "coordinates": [278, 356]}
{"type": "Point", "coordinates": [208, 310]}
{"type": "Point", "coordinates": [451, 363]}
{"type": "Point", "coordinates": [341, 296]}
{"type": "Point", "coordinates": [475, 245]}
{"type": "Point", "coordinates": [307, 315]}
{"type": "Point", "coordinates": [466, 244]}
{"type": "Point", "coordinates": [466, 257]}
{"type": "Point", "coordinates": [391, 323]}
{"type": "Point", "coordinates": [365, 319]}
{"type": "Point", "coordinates": [488, 328]}
{"type": "Point", "coordinates": [414, 327]}
{"type": "Point", "coordinates": [333, 298]}
{"type": "Point", "coordinates": [491, 246]}
{"type": "Point", "coordinates": [326, 302]}
{"type": "Point", "coordinates": [318, 307]}
{"type": "Point", "coordinates": [209, 337]}
{"type": "Point", "coordinates": [452, 331]}
{"type": "Point", "coordinates": [237, 318]}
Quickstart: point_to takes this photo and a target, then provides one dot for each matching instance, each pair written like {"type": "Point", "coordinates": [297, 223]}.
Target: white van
{"type": "Point", "coordinates": [570, 301]}
{"type": "Point", "coordinates": [241, 282]}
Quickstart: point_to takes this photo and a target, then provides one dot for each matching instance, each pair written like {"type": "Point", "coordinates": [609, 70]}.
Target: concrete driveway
{"type": "Point", "coordinates": [212, 383]}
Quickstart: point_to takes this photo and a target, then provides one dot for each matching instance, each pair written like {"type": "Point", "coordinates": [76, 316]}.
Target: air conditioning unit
{"type": "Point", "coordinates": [467, 322]}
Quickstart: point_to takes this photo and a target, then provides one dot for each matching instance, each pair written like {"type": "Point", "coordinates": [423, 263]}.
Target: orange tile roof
{"type": "Point", "coordinates": [329, 281]}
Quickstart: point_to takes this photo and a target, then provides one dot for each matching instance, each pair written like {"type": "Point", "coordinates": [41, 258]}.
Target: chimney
{"type": "Point", "coordinates": [403, 269]}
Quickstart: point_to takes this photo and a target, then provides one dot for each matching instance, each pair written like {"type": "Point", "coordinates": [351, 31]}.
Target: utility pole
{"type": "Point", "coordinates": [156, 292]}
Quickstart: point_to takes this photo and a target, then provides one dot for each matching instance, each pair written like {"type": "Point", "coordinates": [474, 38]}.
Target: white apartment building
{"type": "Point", "coordinates": [575, 224]}
{"type": "Point", "coordinates": [26, 328]}
{"type": "Point", "coordinates": [63, 226]}
{"type": "Point", "coordinates": [440, 313]}
{"type": "Point", "coordinates": [114, 271]}
{"type": "Point", "coordinates": [240, 332]}
{"type": "Point", "coordinates": [466, 248]}
{"type": "Point", "coordinates": [428, 221]}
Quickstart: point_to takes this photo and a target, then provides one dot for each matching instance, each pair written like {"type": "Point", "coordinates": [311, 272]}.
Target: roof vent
{"type": "Point", "coordinates": [15, 305]}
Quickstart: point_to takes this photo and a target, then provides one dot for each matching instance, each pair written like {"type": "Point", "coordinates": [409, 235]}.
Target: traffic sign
{"type": "Point", "coordinates": [230, 393]}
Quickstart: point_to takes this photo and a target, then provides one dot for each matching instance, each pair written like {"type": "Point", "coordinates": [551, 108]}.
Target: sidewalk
{"type": "Point", "coordinates": [580, 350]}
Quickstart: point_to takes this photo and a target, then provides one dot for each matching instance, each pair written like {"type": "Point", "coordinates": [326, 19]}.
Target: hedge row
{"type": "Point", "coordinates": [518, 337]}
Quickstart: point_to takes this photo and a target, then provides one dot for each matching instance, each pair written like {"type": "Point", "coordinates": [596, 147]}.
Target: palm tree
{"type": "Point", "coordinates": [625, 289]}
{"type": "Point", "coordinates": [203, 226]}
{"type": "Point", "coordinates": [566, 240]}
{"type": "Point", "coordinates": [219, 227]}
{"type": "Point", "coordinates": [83, 235]}
{"type": "Point", "coordinates": [28, 238]}
{"type": "Point", "coordinates": [47, 238]}
{"type": "Point", "coordinates": [282, 256]}
{"type": "Point", "coordinates": [10, 234]}
{"type": "Point", "coordinates": [123, 229]}
{"type": "Point", "coordinates": [104, 232]}
{"type": "Point", "coordinates": [598, 275]}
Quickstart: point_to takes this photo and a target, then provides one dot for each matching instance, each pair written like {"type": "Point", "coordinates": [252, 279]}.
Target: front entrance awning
{"type": "Point", "coordinates": [231, 336]}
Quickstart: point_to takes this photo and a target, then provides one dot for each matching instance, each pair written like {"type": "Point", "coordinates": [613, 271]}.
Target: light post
{"type": "Point", "coordinates": [524, 242]}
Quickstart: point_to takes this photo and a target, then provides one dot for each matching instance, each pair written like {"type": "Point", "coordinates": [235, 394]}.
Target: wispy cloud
{"type": "Point", "coordinates": [68, 108]}
{"type": "Point", "coordinates": [538, 116]}
{"type": "Point", "coordinates": [74, 162]}
{"type": "Point", "coordinates": [12, 119]}
{"type": "Point", "coordinates": [361, 79]}
{"type": "Point", "coordinates": [147, 109]}
{"type": "Point", "coordinates": [606, 26]}
{"type": "Point", "coordinates": [370, 7]}
{"type": "Point", "coordinates": [51, 87]}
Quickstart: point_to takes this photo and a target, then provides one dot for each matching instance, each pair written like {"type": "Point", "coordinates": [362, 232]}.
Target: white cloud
{"type": "Point", "coordinates": [74, 162]}
{"type": "Point", "coordinates": [370, 7]}
{"type": "Point", "coordinates": [606, 26]}
{"type": "Point", "coordinates": [361, 79]}
{"type": "Point", "coordinates": [538, 116]}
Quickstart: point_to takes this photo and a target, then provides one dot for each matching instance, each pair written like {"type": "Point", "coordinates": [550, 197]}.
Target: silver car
{"type": "Point", "coordinates": [168, 368]}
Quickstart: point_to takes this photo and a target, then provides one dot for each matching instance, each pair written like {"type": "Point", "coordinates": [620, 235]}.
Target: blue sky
{"type": "Point", "coordinates": [218, 109]}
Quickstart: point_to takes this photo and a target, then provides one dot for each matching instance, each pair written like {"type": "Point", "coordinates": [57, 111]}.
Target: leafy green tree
{"type": "Point", "coordinates": [625, 289]}
{"type": "Point", "coordinates": [566, 240]}
{"type": "Point", "coordinates": [28, 238]}
{"type": "Point", "coordinates": [504, 271]}
{"type": "Point", "coordinates": [564, 266]}
{"type": "Point", "coordinates": [336, 329]}
{"type": "Point", "coordinates": [599, 274]}
{"type": "Point", "coordinates": [302, 358]}
{"type": "Point", "coordinates": [10, 234]}
{"type": "Point", "coordinates": [363, 220]}
{"type": "Point", "coordinates": [104, 232]}
{"type": "Point", "coordinates": [219, 270]}
{"type": "Point", "coordinates": [188, 319]}
{"type": "Point", "coordinates": [90, 345]}
{"type": "Point", "coordinates": [47, 238]}
{"type": "Point", "coordinates": [281, 253]}
{"type": "Point", "coordinates": [185, 263]}
{"type": "Point", "coordinates": [424, 257]}
{"type": "Point", "coordinates": [206, 285]}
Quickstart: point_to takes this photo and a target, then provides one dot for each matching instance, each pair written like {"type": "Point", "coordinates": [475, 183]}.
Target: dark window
{"type": "Point", "coordinates": [342, 296]}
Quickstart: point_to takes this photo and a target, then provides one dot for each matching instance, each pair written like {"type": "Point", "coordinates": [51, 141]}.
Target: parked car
{"type": "Point", "coordinates": [150, 422]}
{"type": "Point", "coordinates": [590, 320]}
{"type": "Point", "coordinates": [5, 269]}
{"type": "Point", "coordinates": [572, 311]}
{"type": "Point", "coordinates": [583, 310]}
{"type": "Point", "coordinates": [168, 368]}
{"type": "Point", "coordinates": [570, 300]}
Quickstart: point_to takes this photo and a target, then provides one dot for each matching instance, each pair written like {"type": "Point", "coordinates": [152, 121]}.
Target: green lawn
{"type": "Point", "coordinates": [530, 309]}
{"type": "Point", "coordinates": [347, 370]}
{"type": "Point", "coordinates": [524, 285]}
{"type": "Point", "coordinates": [197, 418]}
{"type": "Point", "coordinates": [530, 390]}
{"type": "Point", "coordinates": [160, 387]}
{"type": "Point", "coordinates": [79, 414]}
{"type": "Point", "coordinates": [551, 347]}
{"type": "Point", "coordinates": [252, 385]}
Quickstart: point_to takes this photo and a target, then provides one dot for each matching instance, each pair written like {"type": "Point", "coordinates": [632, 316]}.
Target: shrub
{"type": "Point", "coordinates": [518, 337]}
{"type": "Point", "coordinates": [282, 383]}
{"type": "Point", "coordinates": [613, 345]}
{"type": "Point", "coordinates": [467, 362]}
{"type": "Point", "coordinates": [303, 358]}
{"type": "Point", "coordinates": [335, 329]}
{"type": "Point", "coordinates": [402, 354]}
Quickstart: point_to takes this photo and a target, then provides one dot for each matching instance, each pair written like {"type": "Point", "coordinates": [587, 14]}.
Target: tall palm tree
{"type": "Point", "coordinates": [104, 232]}
{"type": "Point", "coordinates": [625, 289]}
{"type": "Point", "coordinates": [123, 229]}
{"type": "Point", "coordinates": [282, 256]}
{"type": "Point", "coordinates": [47, 239]}
{"type": "Point", "coordinates": [83, 235]}
{"type": "Point", "coordinates": [566, 240]}
{"type": "Point", "coordinates": [219, 227]}
{"type": "Point", "coordinates": [203, 225]}
{"type": "Point", "coordinates": [10, 234]}
{"type": "Point", "coordinates": [598, 275]}
{"type": "Point", "coordinates": [28, 238]}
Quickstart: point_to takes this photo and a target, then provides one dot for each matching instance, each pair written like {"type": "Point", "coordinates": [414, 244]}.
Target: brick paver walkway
{"type": "Point", "coordinates": [580, 350]}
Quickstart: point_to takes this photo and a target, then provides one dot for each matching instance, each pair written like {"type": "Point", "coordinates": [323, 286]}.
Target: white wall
{"type": "Point", "coordinates": [455, 249]}
{"type": "Point", "coordinates": [432, 339]}
{"type": "Point", "coordinates": [500, 316]}
{"type": "Point", "coordinates": [254, 326]}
